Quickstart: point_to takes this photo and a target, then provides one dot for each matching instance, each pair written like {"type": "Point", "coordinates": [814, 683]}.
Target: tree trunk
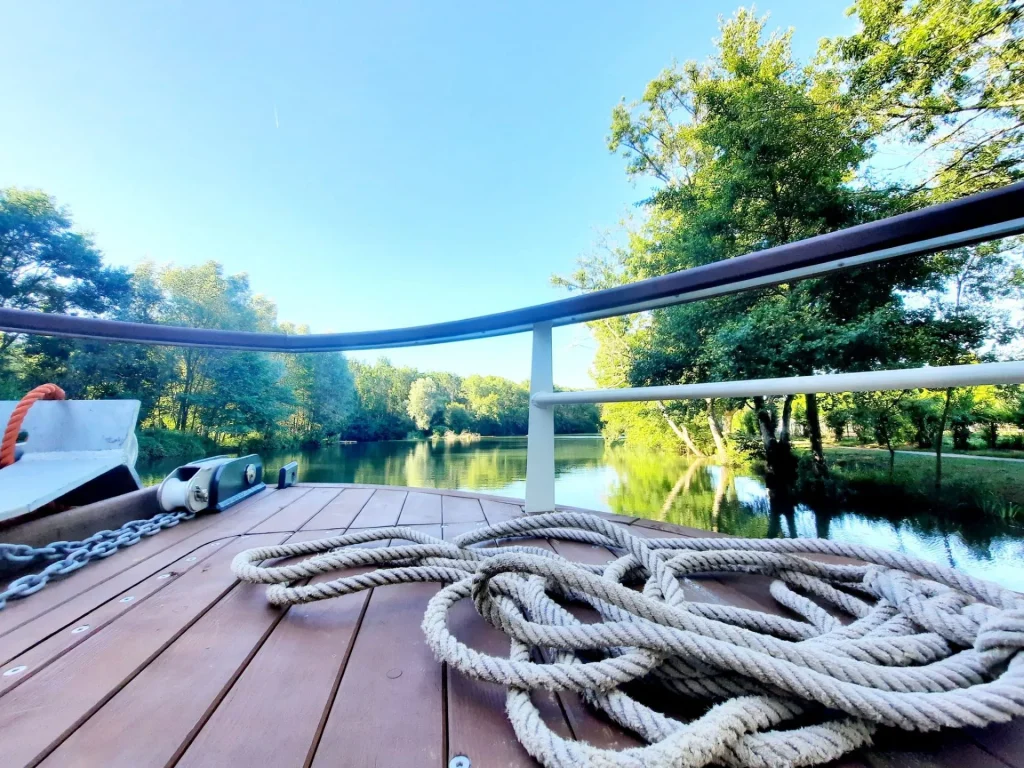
{"type": "Point", "coordinates": [892, 458]}
{"type": "Point", "coordinates": [716, 432]}
{"type": "Point", "coordinates": [814, 433]}
{"type": "Point", "coordinates": [778, 456]}
{"type": "Point", "coordinates": [681, 432]}
{"type": "Point", "coordinates": [787, 418]}
{"type": "Point", "coordinates": [181, 422]}
{"type": "Point", "coordinates": [716, 504]}
{"type": "Point", "coordinates": [764, 425]}
{"type": "Point", "coordinates": [938, 438]}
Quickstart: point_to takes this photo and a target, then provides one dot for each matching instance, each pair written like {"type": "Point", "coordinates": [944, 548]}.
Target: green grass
{"type": "Point", "coordinates": [977, 448]}
{"type": "Point", "coordinates": [968, 487]}
{"type": "Point", "coordinates": [999, 453]}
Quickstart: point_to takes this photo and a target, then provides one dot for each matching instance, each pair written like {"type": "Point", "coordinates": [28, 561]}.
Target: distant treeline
{"type": "Point", "coordinates": [196, 399]}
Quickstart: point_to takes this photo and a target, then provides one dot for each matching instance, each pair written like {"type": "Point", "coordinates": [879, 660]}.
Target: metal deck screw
{"type": "Point", "coordinates": [164, 576]}
{"type": "Point", "coordinates": [80, 630]}
{"type": "Point", "coordinates": [127, 599]}
{"type": "Point", "coordinates": [190, 559]}
{"type": "Point", "coordinates": [15, 671]}
{"type": "Point", "coordinates": [459, 761]}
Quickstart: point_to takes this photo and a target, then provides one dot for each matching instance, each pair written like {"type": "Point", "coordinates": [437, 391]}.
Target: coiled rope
{"type": "Point", "coordinates": [923, 647]}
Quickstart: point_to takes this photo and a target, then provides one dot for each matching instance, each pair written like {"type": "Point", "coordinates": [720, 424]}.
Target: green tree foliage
{"type": "Point", "coordinates": [748, 151]}
{"type": "Point", "coordinates": [46, 266]}
{"type": "Point", "coordinates": [323, 393]}
{"type": "Point", "coordinates": [499, 406]}
{"type": "Point", "coordinates": [944, 75]}
{"type": "Point", "coordinates": [426, 402]}
{"type": "Point", "coordinates": [383, 391]}
{"type": "Point", "coordinates": [881, 414]}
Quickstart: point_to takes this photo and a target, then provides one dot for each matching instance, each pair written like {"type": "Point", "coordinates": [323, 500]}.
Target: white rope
{"type": "Point", "coordinates": [923, 646]}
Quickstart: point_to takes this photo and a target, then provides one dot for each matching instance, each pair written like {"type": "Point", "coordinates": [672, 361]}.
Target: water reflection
{"type": "Point", "coordinates": [691, 493]}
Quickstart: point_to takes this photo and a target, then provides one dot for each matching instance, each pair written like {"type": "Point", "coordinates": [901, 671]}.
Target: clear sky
{"type": "Point", "coordinates": [367, 164]}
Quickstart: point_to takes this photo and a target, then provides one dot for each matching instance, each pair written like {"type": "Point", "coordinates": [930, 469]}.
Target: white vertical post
{"type": "Point", "coordinates": [540, 442]}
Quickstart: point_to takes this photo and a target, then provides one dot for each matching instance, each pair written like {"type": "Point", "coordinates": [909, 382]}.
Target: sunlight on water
{"type": "Point", "coordinates": [592, 475]}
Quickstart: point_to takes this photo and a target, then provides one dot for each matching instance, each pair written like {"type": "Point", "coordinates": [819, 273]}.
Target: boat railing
{"type": "Point", "coordinates": [968, 221]}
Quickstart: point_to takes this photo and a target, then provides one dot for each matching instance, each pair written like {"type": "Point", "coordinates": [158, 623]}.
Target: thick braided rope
{"type": "Point", "coordinates": [922, 646]}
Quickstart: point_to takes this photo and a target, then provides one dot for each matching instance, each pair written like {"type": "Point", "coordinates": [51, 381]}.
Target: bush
{"type": "Point", "coordinates": [745, 446]}
{"type": "Point", "coordinates": [166, 443]}
{"type": "Point", "coordinates": [1013, 443]}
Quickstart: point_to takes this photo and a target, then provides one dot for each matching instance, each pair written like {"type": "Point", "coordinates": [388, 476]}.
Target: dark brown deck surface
{"type": "Point", "coordinates": [158, 657]}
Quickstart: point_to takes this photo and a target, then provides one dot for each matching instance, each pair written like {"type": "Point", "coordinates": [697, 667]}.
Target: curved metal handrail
{"type": "Point", "coordinates": [967, 221]}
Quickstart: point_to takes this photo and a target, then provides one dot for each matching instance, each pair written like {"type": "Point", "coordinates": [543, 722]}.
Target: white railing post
{"type": "Point", "coordinates": [540, 441]}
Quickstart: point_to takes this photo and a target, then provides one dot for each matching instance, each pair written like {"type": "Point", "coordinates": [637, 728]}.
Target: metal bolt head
{"type": "Point", "coordinates": [15, 671]}
{"type": "Point", "coordinates": [190, 559]}
{"type": "Point", "coordinates": [164, 576]}
{"type": "Point", "coordinates": [79, 630]}
{"type": "Point", "coordinates": [250, 473]}
{"type": "Point", "coordinates": [459, 761]}
{"type": "Point", "coordinates": [127, 599]}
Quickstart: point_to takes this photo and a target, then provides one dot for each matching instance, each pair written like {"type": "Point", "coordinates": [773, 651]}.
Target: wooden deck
{"type": "Point", "coordinates": [158, 657]}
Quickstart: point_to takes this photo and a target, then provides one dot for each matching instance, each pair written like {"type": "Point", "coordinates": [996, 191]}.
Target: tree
{"type": "Point", "coordinates": [426, 401]}
{"type": "Point", "coordinates": [245, 399]}
{"type": "Point", "coordinates": [943, 75]}
{"type": "Point", "coordinates": [882, 414]}
{"type": "Point", "coordinates": [993, 407]}
{"type": "Point", "coordinates": [322, 390]}
{"type": "Point", "coordinates": [577, 419]}
{"type": "Point", "coordinates": [457, 417]}
{"type": "Point", "coordinates": [383, 392]}
{"type": "Point", "coordinates": [46, 266]}
{"type": "Point", "coordinates": [499, 406]}
{"type": "Point", "coordinates": [748, 151]}
{"type": "Point", "coordinates": [202, 296]}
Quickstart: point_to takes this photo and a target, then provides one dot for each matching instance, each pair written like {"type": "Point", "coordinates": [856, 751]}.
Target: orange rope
{"type": "Point", "coordinates": [42, 392]}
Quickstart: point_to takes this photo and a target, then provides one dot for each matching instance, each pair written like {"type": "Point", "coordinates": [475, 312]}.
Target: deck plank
{"type": "Point", "coordinates": [291, 679]}
{"type": "Point", "coordinates": [299, 512]}
{"type": "Point", "coordinates": [43, 653]}
{"type": "Point", "coordinates": [421, 509]}
{"type": "Point", "coordinates": [383, 509]}
{"type": "Point", "coordinates": [477, 724]}
{"type": "Point", "coordinates": [499, 512]}
{"type": "Point", "coordinates": [451, 530]}
{"type": "Point", "coordinates": [456, 509]}
{"type": "Point", "coordinates": [58, 591]}
{"type": "Point", "coordinates": [900, 749]}
{"type": "Point", "coordinates": [37, 715]}
{"type": "Point", "coordinates": [341, 512]}
{"type": "Point", "coordinates": [88, 589]}
{"type": "Point", "coordinates": [390, 670]}
{"type": "Point", "coordinates": [1005, 741]}
{"type": "Point", "coordinates": [169, 700]}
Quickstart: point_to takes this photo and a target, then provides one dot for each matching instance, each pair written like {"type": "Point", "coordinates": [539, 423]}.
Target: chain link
{"type": "Point", "coordinates": [69, 556]}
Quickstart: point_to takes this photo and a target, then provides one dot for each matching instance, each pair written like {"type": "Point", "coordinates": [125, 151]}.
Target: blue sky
{"type": "Point", "coordinates": [367, 164]}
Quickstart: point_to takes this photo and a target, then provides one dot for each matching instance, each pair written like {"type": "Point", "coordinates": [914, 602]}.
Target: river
{"type": "Point", "coordinates": [592, 475]}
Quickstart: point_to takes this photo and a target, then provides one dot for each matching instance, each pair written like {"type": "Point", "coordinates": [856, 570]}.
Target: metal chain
{"type": "Point", "coordinates": [71, 555]}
